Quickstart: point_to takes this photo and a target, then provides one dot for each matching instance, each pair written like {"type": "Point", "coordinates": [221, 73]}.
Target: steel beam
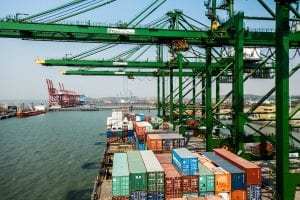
{"type": "Point", "coordinates": [163, 95]}
{"type": "Point", "coordinates": [180, 100]}
{"type": "Point", "coordinates": [238, 83]}
{"type": "Point", "coordinates": [208, 101]}
{"type": "Point", "coordinates": [171, 102]}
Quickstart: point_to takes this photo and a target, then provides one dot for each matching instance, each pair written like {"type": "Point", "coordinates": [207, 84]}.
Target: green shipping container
{"type": "Point", "coordinates": [155, 172]}
{"type": "Point", "coordinates": [206, 179]}
{"type": "Point", "coordinates": [137, 172]}
{"type": "Point", "coordinates": [120, 134]}
{"type": "Point", "coordinates": [120, 175]}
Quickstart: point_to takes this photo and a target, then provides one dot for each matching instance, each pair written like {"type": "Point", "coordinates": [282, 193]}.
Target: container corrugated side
{"type": "Point", "coordinates": [185, 161]}
{"type": "Point", "coordinates": [237, 175]}
{"type": "Point", "coordinates": [120, 175]}
{"type": "Point", "coordinates": [253, 172]}
{"type": "Point", "coordinates": [190, 184]}
{"type": "Point", "coordinates": [239, 195]}
{"type": "Point", "coordinates": [254, 192]}
{"type": "Point", "coordinates": [172, 141]}
{"type": "Point", "coordinates": [173, 187]}
{"type": "Point", "coordinates": [206, 194]}
{"type": "Point", "coordinates": [222, 177]}
{"type": "Point", "coordinates": [156, 196]}
{"type": "Point", "coordinates": [206, 179]}
{"type": "Point", "coordinates": [138, 195]}
{"type": "Point", "coordinates": [137, 172]}
{"type": "Point", "coordinates": [155, 172]}
{"type": "Point", "coordinates": [154, 142]}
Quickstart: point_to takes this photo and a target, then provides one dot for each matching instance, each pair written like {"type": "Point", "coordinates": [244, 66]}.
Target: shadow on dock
{"type": "Point", "coordinates": [79, 194]}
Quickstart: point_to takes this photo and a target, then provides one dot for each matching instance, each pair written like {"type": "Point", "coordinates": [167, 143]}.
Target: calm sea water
{"type": "Point", "coordinates": [51, 156]}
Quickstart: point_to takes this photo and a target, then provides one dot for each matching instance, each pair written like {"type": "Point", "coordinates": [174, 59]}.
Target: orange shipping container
{"type": "Point", "coordinates": [238, 195]}
{"type": "Point", "coordinates": [154, 142]}
{"type": "Point", "coordinates": [222, 177]}
{"type": "Point", "coordinates": [253, 172]}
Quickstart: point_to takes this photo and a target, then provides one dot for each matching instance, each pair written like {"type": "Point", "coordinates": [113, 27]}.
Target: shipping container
{"type": "Point", "coordinates": [120, 175]}
{"type": "Point", "coordinates": [155, 172]}
{"type": "Point", "coordinates": [239, 195]}
{"type": "Point", "coordinates": [109, 134]}
{"type": "Point", "coordinates": [156, 196]}
{"type": "Point", "coordinates": [185, 161]}
{"type": "Point", "coordinates": [237, 175]}
{"type": "Point", "coordinates": [252, 171]}
{"type": "Point", "coordinates": [173, 187]}
{"type": "Point", "coordinates": [120, 198]}
{"type": "Point", "coordinates": [164, 158]}
{"type": "Point", "coordinates": [254, 192]}
{"type": "Point", "coordinates": [206, 194]}
{"type": "Point", "coordinates": [215, 197]}
{"type": "Point", "coordinates": [190, 184]}
{"type": "Point", "coordinates": [206, 179]}
{"type": "Point", "coordinates": [196, 198]}
{"type": "Point", "coordinates": [140, 146]}
{"type": "Point", "coordinates": [130, 133]}
{"type": "Point", "coordinates": [172, 141]}
{"type": "Point", "coordinates": [193, 195]}
{"type": "Point", "coordinates": [137, 172]}
{"type": "Point", "coordinates": [154, 142]}
{"type": "Point", "coordinates": [138, 195]}
{"type": "Point", "coordinates": [224, 195]}
{"type": "Point", "coordinates": [222, 177]}
{"type": "Point", "coordinates": [130, 139]}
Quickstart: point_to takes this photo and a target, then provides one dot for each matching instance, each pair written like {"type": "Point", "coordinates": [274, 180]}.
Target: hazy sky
{"type": "Point", "coordinates": [22, 78]}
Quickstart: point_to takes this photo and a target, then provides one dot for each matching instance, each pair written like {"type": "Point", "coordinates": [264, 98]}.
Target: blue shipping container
{"type": "Point", "coordinates": [130, 133]}
{"type": "Point", "coordinates": [140, 146]}
{"type": "Point", "coordinates": [254, 192]}
{"type": "Point", "coordinates": [130, 139]}
{"type": "Point", "coordinates": [156, 195]}
{"type": "Point", "coordinates": [238, 180]}
{"type": "Point", "coordinates": [109, 134]}
{"type": "Point", "coordinates": [138, 195]}
{"type": "Point", "coordinates": [185, 161]}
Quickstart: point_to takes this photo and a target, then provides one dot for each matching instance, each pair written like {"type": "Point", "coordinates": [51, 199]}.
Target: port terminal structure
{"type": "Point", "coordinates": [182, 34]}
{"type": "Point", "coordinates": [61, 98]}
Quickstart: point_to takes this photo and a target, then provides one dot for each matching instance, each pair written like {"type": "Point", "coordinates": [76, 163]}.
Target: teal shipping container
{"type": "Point", "coordinates": [206, 180]}
{"type": "Point", "coordinates": [120, 175]}
{"type": "Point", "coordinates": [155, 172]}
{"type": "Point", "coordinates": [137, 172]}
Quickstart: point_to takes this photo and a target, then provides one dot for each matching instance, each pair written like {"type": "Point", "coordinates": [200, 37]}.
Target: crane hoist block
{"type": "Point", "coordinates": [180, 45]}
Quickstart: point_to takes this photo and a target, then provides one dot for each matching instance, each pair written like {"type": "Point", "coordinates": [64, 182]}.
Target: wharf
{"type": "Point", "coordinates": [8, 115]}
{"type": "Point", "coordinates": [81, 108]}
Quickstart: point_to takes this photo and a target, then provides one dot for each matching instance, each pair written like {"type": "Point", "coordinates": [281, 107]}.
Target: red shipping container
{"type": "Point", "coordinates": [190, 184]}
{"type": "Point", "coordinates": [164, 158]}
{"type": "Point", "coordinates": [173, 180]}
{"type": "Point", "coordinates": [120, 198]}
{"type": "Point", "coordinates": [238, 195]}
{"type": "Point", "coordinates": [154, 142]}
{"type": "Point", "coordinates": [253, 172]}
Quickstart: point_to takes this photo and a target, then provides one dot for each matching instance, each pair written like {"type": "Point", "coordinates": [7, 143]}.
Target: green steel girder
{"type": "Point", "coordinates": [88, 33]}
{"type": "Point", "coordinates": [286, 182]}
{"type": "Point", "coordinates": [208, 101]}
{"type": "Point", "coordinates": [122, 73]}
{"type": "Point", "coordinates": [238, 84]}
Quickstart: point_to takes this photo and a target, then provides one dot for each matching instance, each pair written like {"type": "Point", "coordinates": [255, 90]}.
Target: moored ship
{"type": "Point", "coordinates": [28, 112]}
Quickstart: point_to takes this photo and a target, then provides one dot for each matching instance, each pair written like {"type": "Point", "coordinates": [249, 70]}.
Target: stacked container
{"type": "Point", "coordinates": [140, 129]}
{"type": "Point", "coordinates": [164, 158]}
{"type": "Point", "coordinates": [222, 177]}
{"type": "Point", "coordinates": [137, 176]}
{"type": "Point", "coordinates": [120, 176]}
{"type": "Point", "coordinates": [173, 187]}
{"type": "Point", "coordinates": [206, 181]}
{"type": "Point", "coordinates": [154, 142]}
{"type": "Point", "coordinates": [187, 165]}
{"type": "Point", "coordinates": [155, 175]}
{"type": "Point", "coordinates": [172, 141]}
{"type": "Point", "coordinates": [252, 171]}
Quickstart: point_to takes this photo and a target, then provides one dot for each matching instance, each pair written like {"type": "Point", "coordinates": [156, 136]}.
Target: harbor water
{"type": "Point", "coordinates": [51, 156]}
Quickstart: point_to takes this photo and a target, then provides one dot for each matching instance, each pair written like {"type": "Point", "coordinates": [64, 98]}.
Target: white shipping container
{"type": "Point", "coordinates": [117, 115]}
{"type": "Point", "coordinates": [138, 118]}
{"type": "Point", "coordinates": [225, 195]}
{"type": "Point", "coordinates": [130, 125]}
{"type": "Point", "coordinates": [114, 128]}
{"type": "Point", "coordinates": [109, 121]}
{"type": "Point", "coordinates": [119, 128]}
